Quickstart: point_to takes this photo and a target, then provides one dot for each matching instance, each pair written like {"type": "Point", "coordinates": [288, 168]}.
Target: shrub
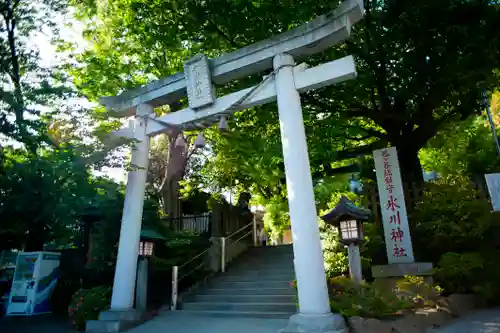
{"type": "Point", "coordinates": [350, 298]}
{"type": "Point", "coordinates": [372, 248]}
{"type": "Point", "coordinates": [366, 300]}
{"type": "Point", "coordinates": [470, 272]}
{"type": "Point", "coordinates": [454, 228]}
{"type": "Point", "coordinates": [420, 293]}
{"type": "Point", "coordinates": [86, 305]}
{"type": "Point", "coordinates": [62, 295]}
{"type": "Point", "coordinates": [459, 272]}
{"type": "Point", "coordinates": [451, 217]}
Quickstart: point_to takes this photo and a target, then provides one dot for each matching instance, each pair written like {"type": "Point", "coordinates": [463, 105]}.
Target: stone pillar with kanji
{"type": "Point", "coordinates": [399, 249]}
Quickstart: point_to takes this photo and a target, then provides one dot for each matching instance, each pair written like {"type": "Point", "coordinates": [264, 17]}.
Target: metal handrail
{"type": "Point", "coordinates": [195, 257]}
{"type": "Point", "coordinates": [191, 271]}
{"type": "Point", "coordinates": [176, 279]}
{"type": "Point", "coordinates": [245, 235]}
{"type": "Point", "coordinates": [175, 271]}
{"type": "Point", "coordinates": [234, 233]}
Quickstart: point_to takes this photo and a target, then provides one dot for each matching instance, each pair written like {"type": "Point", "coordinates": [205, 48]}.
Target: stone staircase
{"type": "Point", "coordinates": [256, 285]}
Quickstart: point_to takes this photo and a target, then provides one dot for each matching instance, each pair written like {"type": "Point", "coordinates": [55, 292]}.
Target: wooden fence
{"type": "Point", "coordinates": [196, 223]}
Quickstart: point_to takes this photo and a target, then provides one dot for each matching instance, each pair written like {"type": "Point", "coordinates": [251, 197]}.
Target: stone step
{"type": "Point", "coordinates": [258, 271]}
{"type": "Point", "coordinates": [107, 326]}
{"type": "Point", "coordinates": [289, 307]}
{"type": "Point", "coordinates": [241, 314]}
{"type": "Point", "coordinates": [249, 291]}
{"type": "Point", "coordinates": [252, 278]}
{"type": "Point", "coordinates": [286, 247]}
{"type": "Point", "coordinates": [287, 250]}
{"type": "Point", "coordinates": [248, 284]}
{"type": "Point", "coordinates": [261, 266]}
{"type": "Point", "coordinates": [266, 261]}
{"type": "Point", "coordinates": [262, 252]}
{"type": "Point", "coordinates": [233, 271]}
{"type": "Point", "coordinates": [257, 298]}
{"type": "Point", "coordinates": [257, 284]}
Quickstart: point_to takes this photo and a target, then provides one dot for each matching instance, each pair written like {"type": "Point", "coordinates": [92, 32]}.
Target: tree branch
{"type": "Point", "coordinates": [328, 171]}
{"type": "Point", "coordinates": [359, 151]}
{"type": "Point", "coordinates": [380, 72]}
{"type": "Point", "coordinates": [370, 132]}
{"type": "Point", "coordinates": [223, 34]}
{"type": "Point", "coordinates": [358, 138]}
{"type": "Point", "coordinates": [427, 130]}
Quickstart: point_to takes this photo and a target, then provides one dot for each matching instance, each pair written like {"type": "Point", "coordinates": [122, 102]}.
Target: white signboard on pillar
{"type": "Point", "coordinates": [393, 207]}
{"type": "Point", "coordinates": [493, 182]}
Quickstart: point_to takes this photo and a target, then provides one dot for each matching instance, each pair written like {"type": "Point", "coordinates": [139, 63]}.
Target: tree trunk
{"type": "Point", "coordinates": [410, 167]}
{"type": "Point", "coordinates": [411, 176]}
{"type": "Point", "coordinates": [176, 168]}
{"type": "Point", "coordinates": [170, 197]}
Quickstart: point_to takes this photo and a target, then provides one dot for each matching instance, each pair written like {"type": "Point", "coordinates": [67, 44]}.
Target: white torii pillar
{"type": "Point", "coordinates": [130, 232]}
{"type": "Point", "coordinates": [314, 305]}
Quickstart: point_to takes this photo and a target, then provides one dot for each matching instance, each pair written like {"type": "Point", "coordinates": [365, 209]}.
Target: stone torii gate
{"type": "Point", "coordinates": [284, 85]}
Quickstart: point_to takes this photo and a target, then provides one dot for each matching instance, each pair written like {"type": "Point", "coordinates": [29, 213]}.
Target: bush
{"type": "Point", "coordinates": [470, 272]}
{"type": "Point", "coordinates": [372, 248]}
{"type": "Point", "coordinates": [62, 295]}
{"type": "Point", "coordinates": [86, 305]}
{"type": "Point", "coordinates": [454, 228]}
{"type": "Point", "coordinates": [350, 298]}
{"type": "Point", "coordinates": [459, 272]}
{"type": "Point", "coordinates": [420, 293]}
{"type": "Point", "coordinates": [365, 300]}
{"type": "Point", "coordinates": [451, 217]}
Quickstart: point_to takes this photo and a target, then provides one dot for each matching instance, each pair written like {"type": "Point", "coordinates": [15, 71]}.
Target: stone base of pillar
{"type": "Point", "coordinates": [387, 275]}
{"type": "Point", "coordinates": [329, 323]}
{"type": "Point", "coordinates": [114, 321]}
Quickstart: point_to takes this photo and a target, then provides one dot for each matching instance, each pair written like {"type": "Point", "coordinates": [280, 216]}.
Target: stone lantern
{"type": "Point", "coordinates": [348, 218]}
{"type": "Point", "coordinates": [146, 249]}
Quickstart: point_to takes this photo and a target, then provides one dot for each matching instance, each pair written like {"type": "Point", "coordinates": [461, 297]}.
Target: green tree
{"type": "Point", "coordinates": [24, 84]}
{"type": "Point", "coordinates": [46, 187]}
{"type": "Point", "coordinates": [41, 197]}
{"type": "Point", "coordinates": [465, 148]}
{"type": "Point", "coordinates": [420, 65]}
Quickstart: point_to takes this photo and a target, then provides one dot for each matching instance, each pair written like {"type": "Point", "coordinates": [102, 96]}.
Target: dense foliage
{"type": "Point", "coordinates": [86, 305]}
{"type": "Point", "coordinates": [374, 301]}
{"type": "Point", "coordinates": [453, 216]}
{"type": "Point", "coordinates": [442, 60]}
{"type": "Point", "coordinates": [464, 148]}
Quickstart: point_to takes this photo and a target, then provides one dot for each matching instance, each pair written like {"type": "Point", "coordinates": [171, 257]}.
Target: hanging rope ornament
{"type": "Point", "coordinates": [200, 141]}
{"type": "Point", "coordinates": [223, 124]}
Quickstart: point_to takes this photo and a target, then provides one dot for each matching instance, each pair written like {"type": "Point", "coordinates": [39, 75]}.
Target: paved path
{"type": "Point", "coordinates": [172, 322]}
{"type": "Point", "coordinates": [482, 321]}
{"type": "Point", "coordinates": [38, 324]}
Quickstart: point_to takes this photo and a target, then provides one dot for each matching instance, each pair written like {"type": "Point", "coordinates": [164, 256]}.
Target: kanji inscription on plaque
{"type": "Point", "coordinates": [199, 82]}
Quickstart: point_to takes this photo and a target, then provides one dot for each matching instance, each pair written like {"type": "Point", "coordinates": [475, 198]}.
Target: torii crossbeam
{"type": "Point", "coordinates": [284, 84]}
